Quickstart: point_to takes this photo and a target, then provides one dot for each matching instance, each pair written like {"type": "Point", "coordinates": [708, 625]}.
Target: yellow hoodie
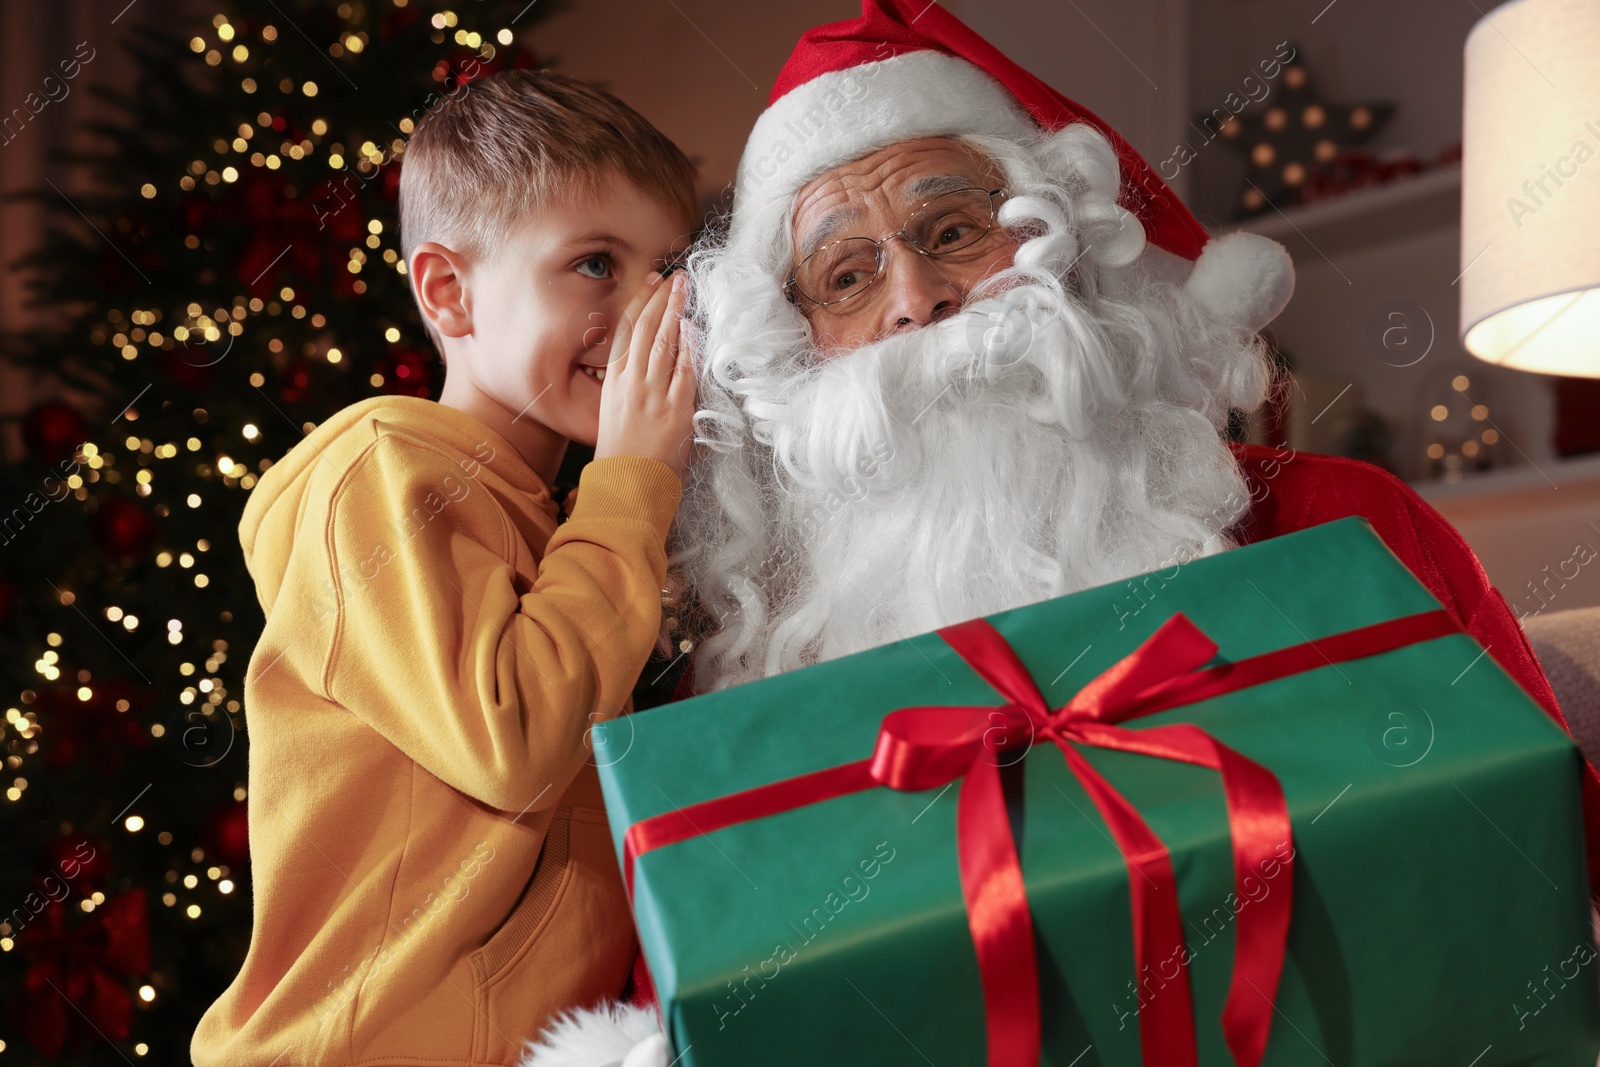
{"type": "Point", "coordinates": [433, 873]}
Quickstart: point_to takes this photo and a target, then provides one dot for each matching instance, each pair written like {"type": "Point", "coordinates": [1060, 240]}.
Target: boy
{"type": "Point", "coordinates": [433, 872]}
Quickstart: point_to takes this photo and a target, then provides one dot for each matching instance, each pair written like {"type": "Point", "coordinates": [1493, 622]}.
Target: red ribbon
{"type": "Point", "coordinates": [922, 748]}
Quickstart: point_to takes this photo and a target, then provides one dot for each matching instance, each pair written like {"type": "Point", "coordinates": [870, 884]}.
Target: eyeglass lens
{"type": "Point", "coordinates": [841, 269]}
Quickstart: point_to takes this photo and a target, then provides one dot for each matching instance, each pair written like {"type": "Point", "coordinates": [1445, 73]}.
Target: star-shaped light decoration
{"type": "Point", "coordinates": [1290, 132]}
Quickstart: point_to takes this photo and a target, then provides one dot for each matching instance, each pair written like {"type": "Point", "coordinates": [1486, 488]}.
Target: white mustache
{"type": "Point", "coordinates": [997, 350]}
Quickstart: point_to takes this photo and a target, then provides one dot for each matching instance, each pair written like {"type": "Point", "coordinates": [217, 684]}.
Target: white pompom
{"type": "Point", "coordinates": [614, 1035]}
{"type": "Point", "coordinates": [1243, 279]}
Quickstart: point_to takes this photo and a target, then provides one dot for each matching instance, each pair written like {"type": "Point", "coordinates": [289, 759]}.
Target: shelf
{"type": "Point", "coordinates": [1365, 218]}
{"type": "Point", "coordinates": [1513, 487]}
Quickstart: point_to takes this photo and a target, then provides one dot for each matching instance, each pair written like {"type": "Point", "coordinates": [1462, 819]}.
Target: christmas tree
{"type": "Point", "coordinates": [234, 279]}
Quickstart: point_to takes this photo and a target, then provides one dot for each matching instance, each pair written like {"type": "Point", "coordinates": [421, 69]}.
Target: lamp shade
{"type": "Point", "coordinates": [1530, 198]}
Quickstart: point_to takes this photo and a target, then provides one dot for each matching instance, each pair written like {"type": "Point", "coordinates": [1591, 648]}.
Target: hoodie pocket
{"type": "Point", "coordinates": [576, 946]}
{"type": "Point", "coordinates": [538, 900]}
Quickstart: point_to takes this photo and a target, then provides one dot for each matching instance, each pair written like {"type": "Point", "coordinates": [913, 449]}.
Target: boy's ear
{"type": "Point", "coordinates": [438, 275]}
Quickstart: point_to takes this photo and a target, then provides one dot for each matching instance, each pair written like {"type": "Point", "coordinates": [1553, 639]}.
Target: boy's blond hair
{"type": "Point", "coordinates": [499, 148]}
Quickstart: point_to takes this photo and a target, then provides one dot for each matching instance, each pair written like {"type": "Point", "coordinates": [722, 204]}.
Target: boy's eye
{"type": "Point", "coordinates": [598, 267]}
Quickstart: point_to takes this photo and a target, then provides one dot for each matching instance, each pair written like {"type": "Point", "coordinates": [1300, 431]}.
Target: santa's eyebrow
{"type": "Point", "coordinates": [826, 227]}
{"type": "Point", "coordinates": [924, 188]}
{"type": "Point", "coordinates": [938, 185]}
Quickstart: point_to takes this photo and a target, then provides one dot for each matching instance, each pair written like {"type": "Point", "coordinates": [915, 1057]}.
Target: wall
{"type": "Point", "coordinates": [1357, 51]}
{"type": "Point", "coordinates": [1124, 60]}
{"type": "Point", "coordinates": [1328, 331]}
{"type": "Point", "coordinates": [1536, 530]}
{"type": "Point", "coordinates": [1372, 258]}
{"type": "Point", "coordinates": [701, 70]}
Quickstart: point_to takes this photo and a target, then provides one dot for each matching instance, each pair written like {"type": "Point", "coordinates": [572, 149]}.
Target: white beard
{"type": "Point", "coordinates": [922, 484]}
{"type": "Point", "coordinates": [931, 477]}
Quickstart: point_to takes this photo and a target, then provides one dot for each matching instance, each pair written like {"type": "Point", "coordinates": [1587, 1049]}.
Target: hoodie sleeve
{"type": "Point", "coordinates": [489, 687]}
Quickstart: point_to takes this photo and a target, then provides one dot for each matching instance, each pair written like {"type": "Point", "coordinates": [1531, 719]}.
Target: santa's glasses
{"type": "Point", "coordinates": [945, 226]}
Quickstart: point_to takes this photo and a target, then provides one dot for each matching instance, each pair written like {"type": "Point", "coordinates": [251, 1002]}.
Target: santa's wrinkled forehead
{"type": "Point", "coordinates": [871, 196]}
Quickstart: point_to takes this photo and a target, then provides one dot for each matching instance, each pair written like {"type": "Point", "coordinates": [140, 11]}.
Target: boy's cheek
{"type": "Point", "coordinates": [588, 326]}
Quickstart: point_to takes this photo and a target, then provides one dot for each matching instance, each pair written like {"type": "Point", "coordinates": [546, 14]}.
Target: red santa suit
{"type": "Point", "coordinates": [1303, 489]}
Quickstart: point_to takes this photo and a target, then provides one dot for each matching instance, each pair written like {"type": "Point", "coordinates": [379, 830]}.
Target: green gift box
{"type": "Point", "coordinates": [1435, 866]}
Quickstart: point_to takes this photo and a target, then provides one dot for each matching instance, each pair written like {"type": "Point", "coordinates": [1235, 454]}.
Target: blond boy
{"type": "Point", "coordinates": [433, 873]}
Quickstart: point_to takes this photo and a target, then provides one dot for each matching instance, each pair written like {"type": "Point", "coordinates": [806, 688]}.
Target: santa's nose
{"type": "Point", "coordinates": [917, 290]}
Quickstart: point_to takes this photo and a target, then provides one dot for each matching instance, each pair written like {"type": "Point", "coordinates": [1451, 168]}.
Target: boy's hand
{"type": "Point", "coordinates": [647, 399]}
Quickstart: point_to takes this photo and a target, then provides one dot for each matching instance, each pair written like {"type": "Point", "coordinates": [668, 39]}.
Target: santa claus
{"type": "Point", "coordinates": [961, 350]}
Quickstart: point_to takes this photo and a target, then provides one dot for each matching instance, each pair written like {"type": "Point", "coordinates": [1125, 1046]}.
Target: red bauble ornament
{"type": "Point", "coordinates": [227, 835]}
{"type": "Point", "coordinates": [76, 988]}
{"type": "Point", "coordinates": [408, 372]}
{"type": "Point", "coordinates": [93, 729]}
{"type": "Point", "coordinates": [80, 861]}
{"type": "Point", "coordinates": [397, 22]}
{"type": "Point", "coordinates": [190, 364]}
{"type": "Point", "coordinates": [292, 239]}
{"type": "Point", "coordinates": [295, 384]}
{"type": "Point", "coordinates": [124, 529]}
{"type": "Point", "coordinates": [197, 212]}
{"type": "Point", "coordinates": [53, 431]}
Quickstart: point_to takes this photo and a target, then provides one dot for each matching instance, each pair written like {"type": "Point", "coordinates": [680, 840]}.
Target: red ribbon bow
{"type": "Point", "coordinates": [923, 748]}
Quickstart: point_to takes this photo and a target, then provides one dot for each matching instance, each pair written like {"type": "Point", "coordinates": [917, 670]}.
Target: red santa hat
{"type": "Point", "coordinates": [908, 69]}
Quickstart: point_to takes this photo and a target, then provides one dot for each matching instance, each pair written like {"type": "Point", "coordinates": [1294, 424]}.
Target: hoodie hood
{"type": "Point", "coordinates": [300, 480]}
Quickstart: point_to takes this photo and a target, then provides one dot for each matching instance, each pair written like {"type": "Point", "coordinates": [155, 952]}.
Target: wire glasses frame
{"type": "Point", "coordinates": [839, 259]}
